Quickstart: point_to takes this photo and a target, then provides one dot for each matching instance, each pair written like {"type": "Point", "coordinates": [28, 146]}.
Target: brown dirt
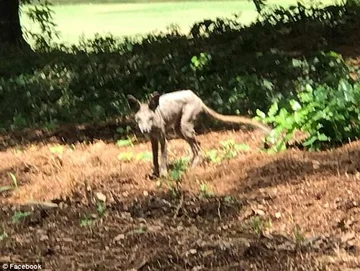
{"type": "Point", "coordinates": [291, 211]}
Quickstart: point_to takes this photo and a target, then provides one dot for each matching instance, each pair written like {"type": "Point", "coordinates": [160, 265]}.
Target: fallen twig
{"type": "Point", "coordinates": [218, 209]}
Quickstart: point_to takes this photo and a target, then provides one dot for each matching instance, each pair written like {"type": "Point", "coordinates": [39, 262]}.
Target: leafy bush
{"type": "Point", "coordinates": [327, 112]}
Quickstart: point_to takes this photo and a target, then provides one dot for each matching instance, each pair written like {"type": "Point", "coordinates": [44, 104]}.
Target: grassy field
{"type": "Point", "coordinates": [129, 19]}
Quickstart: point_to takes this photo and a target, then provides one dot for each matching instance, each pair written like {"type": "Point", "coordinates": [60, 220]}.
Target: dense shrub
{"type": "Point", "coordinates": [89, 86]}
{"type": "Point", "coordinates": [326, 111]}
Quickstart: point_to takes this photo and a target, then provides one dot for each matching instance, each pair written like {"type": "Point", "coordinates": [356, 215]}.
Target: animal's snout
{"type": "Point", "coordinates": [145, 129]}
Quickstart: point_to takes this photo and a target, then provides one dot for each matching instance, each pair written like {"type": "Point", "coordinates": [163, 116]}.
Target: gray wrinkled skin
{"type": "Point", "coordinates": [175, 110]}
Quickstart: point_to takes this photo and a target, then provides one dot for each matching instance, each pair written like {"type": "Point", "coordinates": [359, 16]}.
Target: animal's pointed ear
{"type": "Point", "coordinates": [154, 100]}
{"type": "Point", "coordinates": [133, 103]}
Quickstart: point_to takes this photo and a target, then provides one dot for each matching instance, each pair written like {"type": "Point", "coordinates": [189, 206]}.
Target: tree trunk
{"type": "Point", "coordinates": [11, 36]}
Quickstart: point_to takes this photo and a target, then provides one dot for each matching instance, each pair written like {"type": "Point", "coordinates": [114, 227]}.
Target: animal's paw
{"type": "Point", "coordinates": [156, 174]}
{"type": "Point", "coordinates": [153, 176]}
{"type": "Point", "coordinates": [198, 160]}
{"type": "Point", "coordinates": [163, 173]}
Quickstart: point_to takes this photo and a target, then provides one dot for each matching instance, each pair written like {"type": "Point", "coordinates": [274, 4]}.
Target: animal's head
{"type": "Point", "coordinates": [144, 112]}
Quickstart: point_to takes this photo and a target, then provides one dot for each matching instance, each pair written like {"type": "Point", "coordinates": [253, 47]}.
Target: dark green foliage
{"type": "Point", "coordinates": [235, 69]}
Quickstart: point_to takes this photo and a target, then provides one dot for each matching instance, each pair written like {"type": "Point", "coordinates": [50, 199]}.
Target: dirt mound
{"type": "Point", "coordinates": [291, 211]}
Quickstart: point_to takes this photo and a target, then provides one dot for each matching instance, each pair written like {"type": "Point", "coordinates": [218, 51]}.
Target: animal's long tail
{"type": "Point", "coordinates": [235, 119]}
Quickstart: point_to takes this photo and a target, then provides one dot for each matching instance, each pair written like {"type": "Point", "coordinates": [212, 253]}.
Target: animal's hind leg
{"type": "Point", "coordinates": [188, 133]}
{"type": "Point", "coordinates": [196, 149]}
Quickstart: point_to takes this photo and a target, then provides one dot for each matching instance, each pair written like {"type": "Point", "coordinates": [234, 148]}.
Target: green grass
{"type": "Point", "coordinates": [129, 19]}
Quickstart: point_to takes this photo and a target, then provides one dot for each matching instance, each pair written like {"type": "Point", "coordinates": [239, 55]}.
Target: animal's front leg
{"type": "Point", "coordinates": [155, 153]}
{"type": "Point", "coordinates": [163, 149]}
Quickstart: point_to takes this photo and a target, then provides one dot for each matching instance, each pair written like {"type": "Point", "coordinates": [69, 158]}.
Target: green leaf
{"type": "Point", "coordinates": [334, 54]}
{"type": "Point", "coordinates": [195, 61]}
{"type": "Point", "coordinates": [124, 143]}
{"type": "Point", "coordinates": [175, 175]}
{"type": "Point", "coordinates": [242, 147]}
{"type": "Point", "coordinates": [6, 188]}
{"type": "Point", "coordinates": [57, 149]}
{"type": "Point", "coordinates": [273, 109]}
{"type": "Point", "coordinates": [289, 122]}
{"type": "Point", "coordinates": [308, 88]}
{"type": "Point", "coordinates": [298, 117]}
{"type": "Point", "coordinates": [268, 85]}
{"type": "Point", "coordinates": [127, 156]}
{"type": "Point", "coordinates": [3, 236]}
{"type": "Point", "coordinates": [13, 178]}
{"type": "Point", "coordinates": [283, 115]}
{"type": "Point", "coordinates": [144, 156]}
{"type": "Point", "coordinates": [280, 146]}
{"type": "Point", "coordinates": [310, 141]}
{"type": "Point", "coordinates": [296, 63]}
{"type": "Point", "coordinates": [260, 114]}
{"type": "Point", "coordinates": [323, 137]}
{"type": "Point", "coordinates": [295, 105]}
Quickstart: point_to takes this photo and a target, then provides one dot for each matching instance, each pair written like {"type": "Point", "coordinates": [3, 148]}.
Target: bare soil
{"type": "Point", "coordinates": [295, 210]}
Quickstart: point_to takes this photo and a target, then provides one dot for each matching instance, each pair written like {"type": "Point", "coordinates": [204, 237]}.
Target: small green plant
{"type": "Point", "coordinates": [298, 235]}
{"type": "Point", "coordinates": [213, 156]}
{"type": "Point", "coordinates": [284, 126]}
{"type": "Point", "coordinates": [125, 156]}
{"type": "Point", "coordinates": [58, 149]}
{"type": "Point", "coordinates": [140, 230]}
{"type": "Point", "coordinates": [86, 221]}
{"type": "Point", "coordinates": [231, 149]}
{"type": "Point", "coordinates": [144, 156]}
{"type": "Point", "coordinates": [172, 181]}
{"type": "Point", "coordinates": [3, 235]}
{"type": "Point", "coordinates": [128, 156]}
{"type": "Point", "coordinates": [205, 191]}
{"type": "Point", "coordinates": [179, 167]}
{"type": "Point", "coordinates": [14, 180]}
{"type": "Point", "coordinates": [100, 208]}
{"type": "Point", "coordinates": [19, 216]}
{"type": "Point", "coordinates": [10, 187]}
{"type": "Point", "coordinates": [258, 225]}
{"type": "Point", "coordinates": [125, 142]}
{"type": "Point", "coordinates": [229, 199]}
